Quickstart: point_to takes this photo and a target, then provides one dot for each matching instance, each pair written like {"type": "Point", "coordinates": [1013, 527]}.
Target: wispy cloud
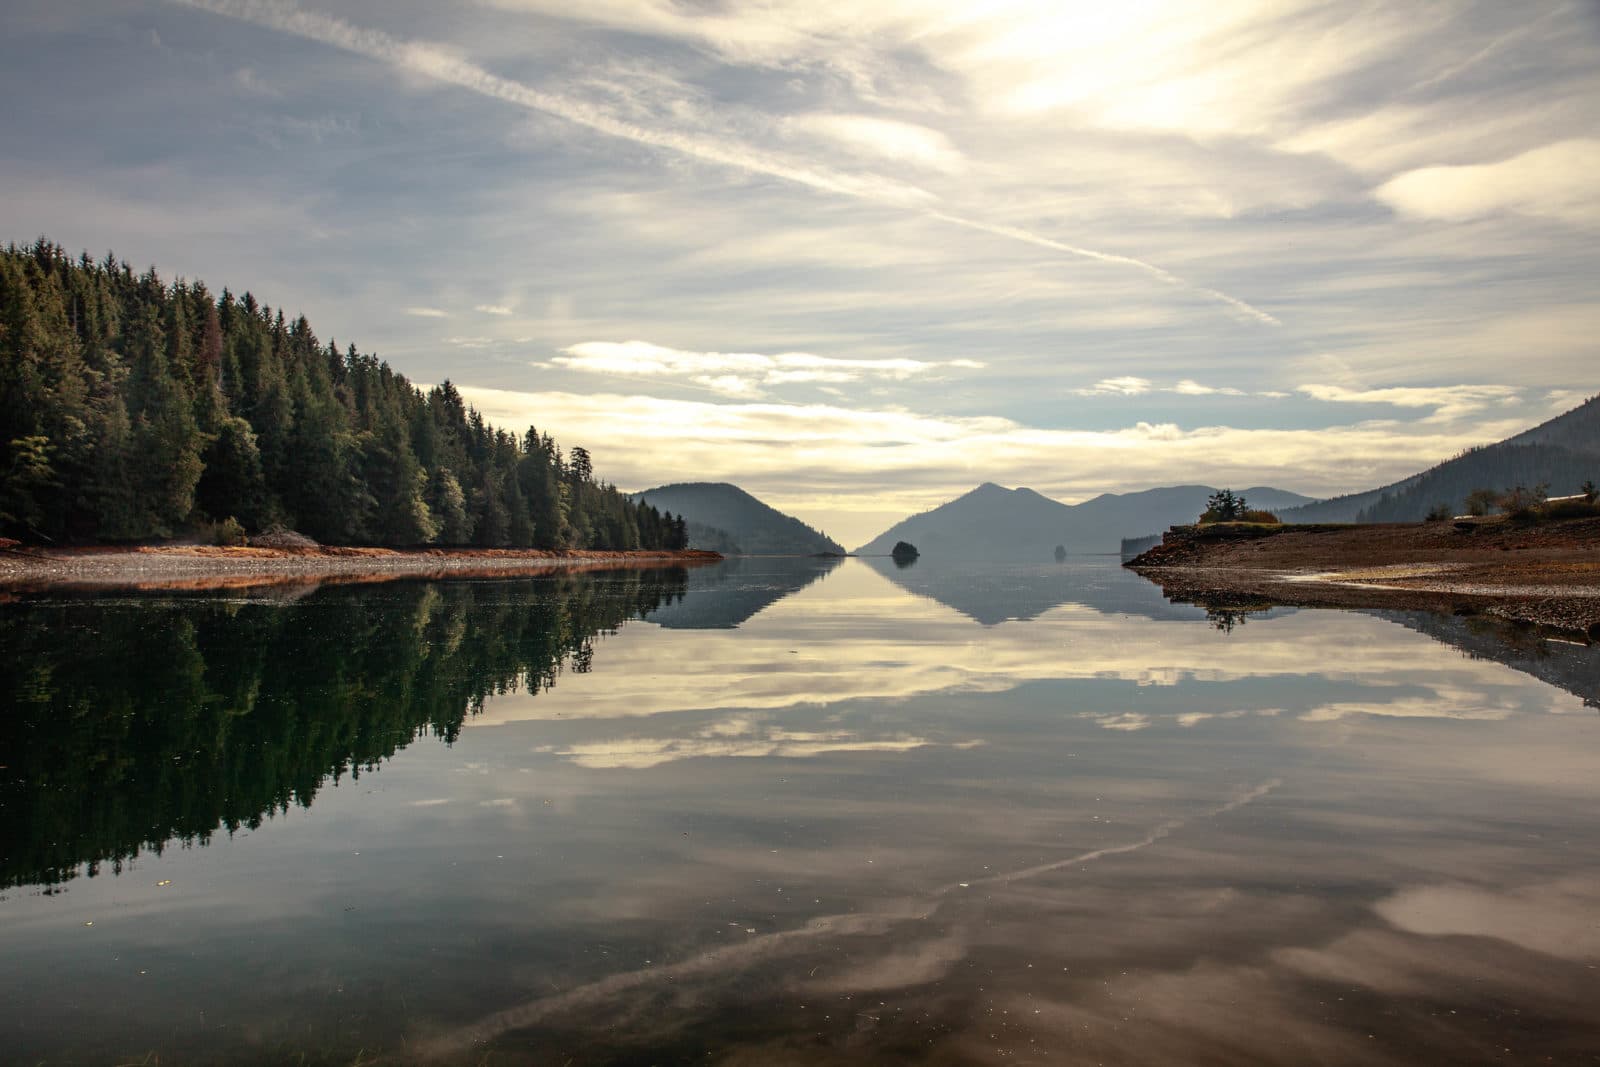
{"type": "Point", "coordinates": [427, 313]}
{"type": "Point", "coordinates": [1130, 385]}
{"type": "Point", "coordinates": [493, 309]}
{"type": "Point", "coordinates": [1450, 402]}
{"type": "Point", "coordinates": [1127, 385]}
{"type": "Point", "coordinates": [884, 138]}
{"type": "Point", "coordinates": [432, 61]}
{"type": "Point", "coordinates": [1562, 399]}
{"type": "Point", "coordinates": [1190, 387]}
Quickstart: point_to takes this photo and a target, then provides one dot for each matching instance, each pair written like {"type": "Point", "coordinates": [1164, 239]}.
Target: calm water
{"type": "Point", "coordinates": [791, 812]}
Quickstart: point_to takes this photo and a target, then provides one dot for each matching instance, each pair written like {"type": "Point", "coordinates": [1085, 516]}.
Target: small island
{"type": "Point", "coordinates": [904, 553]}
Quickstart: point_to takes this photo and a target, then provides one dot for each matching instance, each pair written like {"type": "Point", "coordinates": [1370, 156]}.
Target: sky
{"type": "Point", "coordinates": [859, 258]}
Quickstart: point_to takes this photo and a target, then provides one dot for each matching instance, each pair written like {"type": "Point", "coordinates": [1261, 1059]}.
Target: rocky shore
{"type": "Point", "coordinates": [155, 567]}
{"type": "Point", "coordinates": [1545, 573]}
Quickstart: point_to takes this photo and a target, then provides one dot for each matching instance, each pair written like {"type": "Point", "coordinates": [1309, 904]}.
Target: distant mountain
{"type": "Point", "coordinates": [1121, 515]}
{"type": "Point", "coordinates": [757, 529]}
{"type": "Point", "coordinates": [993, 522]}
{"type": "Point", "coordinates": [1565, 452]}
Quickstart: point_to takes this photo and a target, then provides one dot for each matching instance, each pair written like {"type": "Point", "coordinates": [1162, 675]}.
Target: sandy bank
{"type": "Point", "coordinates": [1546, 573]}
{"type": "Point", "coordinates": [207, 567]}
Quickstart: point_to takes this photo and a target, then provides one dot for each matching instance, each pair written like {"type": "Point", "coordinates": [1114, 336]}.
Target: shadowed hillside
{"type": "Point", "coordinates": [1564, 452]}
{"type": "Point", "coordinates": [755, 528]}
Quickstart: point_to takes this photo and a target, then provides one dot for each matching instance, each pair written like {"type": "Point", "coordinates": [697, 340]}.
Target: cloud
{"type": "Point", "coordinates": [887, 138]}
{"type": "Point", "coordinates": [1555, 181]}
{"type": "Point", "coordinates": [249, 81]}
{"type": "Point", "coordinates": [1448, 401]}
{"type": "Point", "coordinates": [1278, 70]}
{"type": "Point", "coordinates": [1126, 722]}
{"type": "Point", "coordinates": [1189, 387]}
{"type": "Point", "coordinates": [1132, 386]}
{"type": "Point", "coordinates": [439, 64]}
{"type": "Point", "coordinates": [427, 313]}
{"type": "Point", "coordinates": [1124, 386]}
{"type": "Point", "coordinates": [738, 373]}
{"type": "Point", "coordinates": [1146, 66]}
{"type": "Point", "coordinates": [493, 309]}
{"type": "Point", "coordinates": [1566, 399]}
{"type": "Point", "coordinates": [730, 385]}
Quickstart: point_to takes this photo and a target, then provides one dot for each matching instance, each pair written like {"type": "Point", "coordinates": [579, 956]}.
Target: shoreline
{"type": "Point", "coordinates": [1542, 574]}
{"type": "Point", "coordinates": [209, 567]}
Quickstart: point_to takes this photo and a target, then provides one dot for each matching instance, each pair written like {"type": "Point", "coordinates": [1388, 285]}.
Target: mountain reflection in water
{"type": "Point", "coordinates": [937, 814]}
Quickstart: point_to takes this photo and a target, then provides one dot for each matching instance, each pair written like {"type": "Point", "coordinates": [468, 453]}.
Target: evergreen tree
{"type": "Point", "coordinates": [232, 482]}
{"type": "Point", "coordinates": [449, 506]}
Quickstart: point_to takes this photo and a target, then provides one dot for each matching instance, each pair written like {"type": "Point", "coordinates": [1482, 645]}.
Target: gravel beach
{"type": "Point", "coordinates": [34, 570]}
{"type": "Point", "coordinates": [1546, 574]}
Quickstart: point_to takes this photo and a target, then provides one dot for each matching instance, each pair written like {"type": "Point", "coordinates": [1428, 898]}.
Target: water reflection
{"type": "Point", "coordinates": [1562, 662]}
{"type": "Point", "coordinates": [724, 596]}
{"type": "Point", "coordinates": [994, 593]}
{"type": "Point", "coordinates": [1557, 659]}
{"type": "Point", "coordinates": [134, 722]}
{"type": "Point", "coordinates": [861, 828]}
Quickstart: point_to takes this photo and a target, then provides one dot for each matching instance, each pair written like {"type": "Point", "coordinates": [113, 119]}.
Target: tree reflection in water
{"type": "Point", "coordinates": [130, 724]}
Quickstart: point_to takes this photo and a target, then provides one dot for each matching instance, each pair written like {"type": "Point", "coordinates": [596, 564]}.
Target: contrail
{"type": "Point", "coordinates": [437, 63]}
{"type": "Point", "coordinates": [785, 942]}
{"type": "Point", "coordinates": [1161, 273]}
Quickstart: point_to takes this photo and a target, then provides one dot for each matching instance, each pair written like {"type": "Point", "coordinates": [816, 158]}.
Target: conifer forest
{"type": "Point", "coordinates": [134, 409]}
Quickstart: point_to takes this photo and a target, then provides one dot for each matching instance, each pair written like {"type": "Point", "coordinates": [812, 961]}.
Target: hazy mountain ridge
{"type": "Point", "coordinates": [993, 522]}
{"type": "Point", "coordinates": [757, 528]}
{"type": "Point", "coordinates": [1564, 452]}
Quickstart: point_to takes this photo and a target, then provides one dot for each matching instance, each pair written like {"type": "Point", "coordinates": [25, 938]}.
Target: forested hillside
{"type": "Point", "coordinates": [131, 408]}
{"type": "Point", "coordinates": [1561, 454]}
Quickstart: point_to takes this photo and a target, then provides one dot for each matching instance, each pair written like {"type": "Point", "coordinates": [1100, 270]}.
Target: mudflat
{"type": "Point", "coordinates": [1546, 573]}
{"type": "Point", "coordinates": [155, 567]}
